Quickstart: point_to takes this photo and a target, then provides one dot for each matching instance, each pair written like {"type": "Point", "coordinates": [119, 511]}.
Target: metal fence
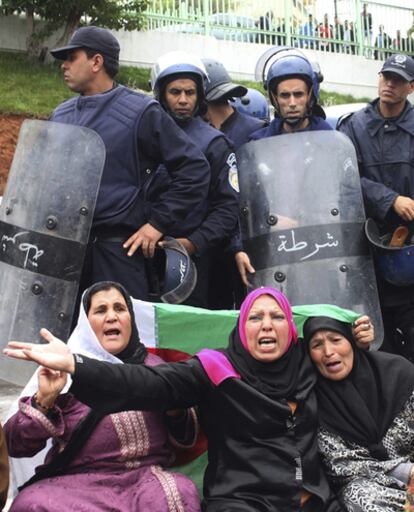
{"type": "Point", "coordinates": [372, 29]}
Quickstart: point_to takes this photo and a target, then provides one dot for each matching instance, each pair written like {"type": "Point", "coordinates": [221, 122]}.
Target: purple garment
{"type": "Point", "coordinates": [217, 366]}
{"type": "Point", "coordinates": [119, 468]}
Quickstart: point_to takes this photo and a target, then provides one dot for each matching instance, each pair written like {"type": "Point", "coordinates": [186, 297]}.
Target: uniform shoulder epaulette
{"type": "Point", "coordinates": [343, 118]}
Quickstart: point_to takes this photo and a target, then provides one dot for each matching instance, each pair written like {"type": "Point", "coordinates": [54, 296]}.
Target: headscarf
{"type": "Point", "coordinates": [276, 379]}
{"type": "Point", "coordinates": [84, 339]}
{"type": "Point", "coordinates": [362, 406]}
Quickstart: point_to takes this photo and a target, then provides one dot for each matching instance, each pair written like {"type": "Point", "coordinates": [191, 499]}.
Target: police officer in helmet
{"type": "Point", "coordinates": [221, 113]}
{"type": "Point", "coordinates": [178, 81]}
{"type": "Point", "coordinates": [293, 87]}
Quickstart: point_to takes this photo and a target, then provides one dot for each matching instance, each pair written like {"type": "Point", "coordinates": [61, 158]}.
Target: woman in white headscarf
{"type": "Point", "coordinates": [99, 462]}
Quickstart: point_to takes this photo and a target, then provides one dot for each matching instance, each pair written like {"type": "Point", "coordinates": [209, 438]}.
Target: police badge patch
{"type": "Point", "coordinates": [233, 176]}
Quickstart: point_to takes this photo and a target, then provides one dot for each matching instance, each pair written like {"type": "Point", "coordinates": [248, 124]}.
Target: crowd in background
{"type": "Point", "coordinates": [338, 37]}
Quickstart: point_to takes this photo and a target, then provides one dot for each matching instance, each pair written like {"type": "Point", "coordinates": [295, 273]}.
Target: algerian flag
{"type": "Point", "coordinates": [188, 329]}
{"type": "Point", "coordinates": [181, 330]}
{"type": "Point", "coordinates": [178, 332]}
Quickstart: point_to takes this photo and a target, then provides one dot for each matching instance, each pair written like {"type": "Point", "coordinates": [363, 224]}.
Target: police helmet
{"type": "Point", "coordinates": [219, 85]}
{"type": "Point", "coordinates": [253, 104]}
{"type": "Point", "coordinates": [395, 264]}
{"type": "Point", "coordinates": [283, 62]}
{"type": "Point", "coordinates": [175, 274]}
{"type": "Point", "coordinates": [173, 65]}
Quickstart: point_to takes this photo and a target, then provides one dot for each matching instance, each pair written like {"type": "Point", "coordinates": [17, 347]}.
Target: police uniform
{"type": "Point", "coordinates": [276, 128]}
{"type": "Point", "coordinates": [211, 223]}
{"type": "Point", "coordinates": [385, 153]}
{"type": "Point", "coordinates": [138, 137]}
{"type": "Point", "coordinates": [238, 127]}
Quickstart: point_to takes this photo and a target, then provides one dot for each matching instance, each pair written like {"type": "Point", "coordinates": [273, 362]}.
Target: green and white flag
{"type": "Point", "coordinates": [189, 330]}
{"type": "Point", "coordinates": [179, 331]}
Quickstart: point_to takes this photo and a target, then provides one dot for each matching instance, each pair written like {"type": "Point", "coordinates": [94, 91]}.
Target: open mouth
{"type": "Point", "coordinates": [333, 366]}
{"type": "Point", "coordinates": [112, 332]}
{"type": "Point", "coordinates": [267, 343]}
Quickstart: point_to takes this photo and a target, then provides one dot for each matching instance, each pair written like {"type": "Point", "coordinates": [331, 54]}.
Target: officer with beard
{"type": "Point", "coordinates": [178, 82]}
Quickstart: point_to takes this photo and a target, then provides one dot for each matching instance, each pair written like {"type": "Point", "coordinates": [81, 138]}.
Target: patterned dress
{"type": "Point", "coordinates": [366, 484]}
{"type": "Point", "coordinates": [119, 468]}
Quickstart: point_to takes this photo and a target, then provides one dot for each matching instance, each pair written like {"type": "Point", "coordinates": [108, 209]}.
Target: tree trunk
{"type": "Point", "coordinates": [32, 43]}
{"type": "Point", "coordinates": [70, 27]}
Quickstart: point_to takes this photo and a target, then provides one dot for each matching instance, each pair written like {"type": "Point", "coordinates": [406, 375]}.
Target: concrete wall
{"type": "Point", "coordinates": [343, 73]}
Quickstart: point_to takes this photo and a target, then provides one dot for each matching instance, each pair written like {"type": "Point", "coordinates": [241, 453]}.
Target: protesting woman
{"type": "Point", "coordinates": [99, 462]}
{"type": "Point", "coordinates": [366, 411]}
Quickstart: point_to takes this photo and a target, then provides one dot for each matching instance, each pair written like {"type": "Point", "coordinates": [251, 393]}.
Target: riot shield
{"type": "Point", "coordinates": [45, 219]}
{"type": "Point", "coordinates": [302, 213]}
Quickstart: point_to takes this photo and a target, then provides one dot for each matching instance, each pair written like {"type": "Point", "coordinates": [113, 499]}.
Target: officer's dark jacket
{"type": "Point", "coordinates": [238, 127]}
{"type": "Point", "coordinates": [213, 220]}
{"type": "Point", "coordinates": [385, 152]}
{"type": "Point", "coordinates": [260, 456]}
{"type": "Point", "coordinates": [276, 128]}
{"type": "Point", "coordinates": [138, 136]}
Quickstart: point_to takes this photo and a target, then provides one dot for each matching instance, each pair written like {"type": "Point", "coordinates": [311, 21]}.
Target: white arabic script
{"type": "Point", "coordinates": [293, 246]}
{"type": "Point", "coordinates": [31, 251]}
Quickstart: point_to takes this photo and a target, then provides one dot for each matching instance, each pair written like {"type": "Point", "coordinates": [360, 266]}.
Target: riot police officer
{"type": "Point", "coordinates": [254, 104]}
{"type": "Point", "coordinates": [178, 81]}
{"type": "Point", "coordinates": [138, 137]}
{"type": "Point", "coordinates": [293, 88]}
{"type": "Point", "coordinates": [221, 113]}
{"type": "Point", "coordinates": [383, 136]}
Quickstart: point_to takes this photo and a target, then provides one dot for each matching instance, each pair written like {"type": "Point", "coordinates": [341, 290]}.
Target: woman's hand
{"type": "Point", "coordinates": [363, 332]}
{"type": "Point", "coordinates": [51, 383]}
{"type": "Point", "coordinates": [55, 354]}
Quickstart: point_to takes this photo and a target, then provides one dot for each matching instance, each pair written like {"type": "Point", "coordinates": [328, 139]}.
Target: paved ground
{"type": "Point", "coordinates": [8, 393]}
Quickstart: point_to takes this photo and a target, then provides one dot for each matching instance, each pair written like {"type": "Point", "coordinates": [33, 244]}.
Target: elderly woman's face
{"type": "Point", "coordinates": [332, 354]}
{"type": "Point", "coordinates": [267, 330]}
{"type": "Point", "coordinates": [110, 320]}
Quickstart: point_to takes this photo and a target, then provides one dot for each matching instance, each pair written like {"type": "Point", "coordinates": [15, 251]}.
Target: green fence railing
{"type": "Point", "coordinates": [372, 29]}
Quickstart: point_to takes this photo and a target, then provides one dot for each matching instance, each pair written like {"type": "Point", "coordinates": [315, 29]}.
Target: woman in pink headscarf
{"type": "Point", "coordinates": [256, 401]}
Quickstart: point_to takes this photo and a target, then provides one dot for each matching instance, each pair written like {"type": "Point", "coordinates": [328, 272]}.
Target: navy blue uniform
{"type": "Point", "coordinates": [238, 127]}
{"type": "Point", "coordinates": [276, 128]}
{"type": "Point", "coordinates": [226, 288]}
{"type": "Point", "coordinates": [138, 137]}
{"type": "Point", "coordinates": [211, 222]}
{"type": "Point", "coordinates": [385, 153]}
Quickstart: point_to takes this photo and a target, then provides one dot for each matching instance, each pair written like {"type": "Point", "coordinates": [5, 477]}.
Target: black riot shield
{"type": "Point", "coordinates": [303, 218]}
{"type": "Point", "coordinates": [45, 219]}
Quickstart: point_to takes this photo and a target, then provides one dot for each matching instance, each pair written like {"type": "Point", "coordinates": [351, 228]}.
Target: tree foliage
{"type": "Point", "coordinates": [44, 17]}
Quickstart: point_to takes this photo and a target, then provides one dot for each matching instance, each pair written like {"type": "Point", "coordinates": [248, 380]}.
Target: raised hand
{"type": "Point", "coordinates": [51, 383]}
{"type": "Point", "coordinates": [363, 331]}
{"type": "Point", "coordinates": [54, 354]}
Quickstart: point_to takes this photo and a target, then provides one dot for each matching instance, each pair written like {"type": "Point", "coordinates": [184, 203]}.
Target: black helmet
{"type": "Point", "coordinates": [220, 86]}
{"type": "Point", "coordinates": [174, 274]}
